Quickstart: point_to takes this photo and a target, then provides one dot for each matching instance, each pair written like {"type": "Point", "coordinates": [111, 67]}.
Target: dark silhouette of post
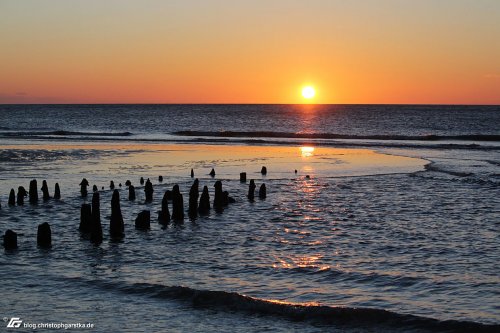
{"type": "Point", "coordinates": [243, 177]}
{"type": "Point", "coordinates": [160, 178]}
{"type": "Point", "coordinates": [141, 181]}
{"type": "Point", "coordinates": [194, 194]}
{"type": "Point", "coordinates": [192, 173]}
{"type": "Point", "coordinates": [251, 190]}
{"type": "Point", "coordinates": [83, 187]}
{"type": "Point", "coordinates": [85, 218]}
{"type": "Point", "coordinates": [10, 240]}
{"type": "Point", "coordinates": [112, 185]}
{"type": "Point", "coordinates": [169, 195]}
{"type": "Point", "coordinates": [96, 227]}
{"type": "Point", "coordinates": [164, 214]}
{"type": "Point", "coordinates": [218, 196]}
{"type": "Point", "coordinates": [44, 235]}
{"type": "Point", "coordinates": [57, 192]}
{"type": "Point", "coordinates": [262, 191]}
{"type": "Point", "coordinates": [45, 191]}
{"type": "Point", "coordinates": [148, 190]}
{"type": "Point", "coordinates": [263, 171]}
{"type": "Point", "coordinates": [177, 204]}
{"type": "Point", "coordinates": [21, 193]}
{"type": "Point", "coordinates": [131, 192]}
{"type": "Point", "coordinates": [204, 206]}
{"type": "Point", "coordinates": [143, 220]}
{"type": "Point", "coordinates": [33, 192]}
{"type": "Point", "coordinates": [116, 225]}
{"type": "Point", "coordinates": [12, 197]}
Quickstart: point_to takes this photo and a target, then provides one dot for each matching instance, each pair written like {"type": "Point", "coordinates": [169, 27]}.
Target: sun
{"type": "Point", "coordinates": [308, 92]}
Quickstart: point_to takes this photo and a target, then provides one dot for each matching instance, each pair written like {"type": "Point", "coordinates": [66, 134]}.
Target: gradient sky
{"type": "Point", "coordinates": [223, 51]}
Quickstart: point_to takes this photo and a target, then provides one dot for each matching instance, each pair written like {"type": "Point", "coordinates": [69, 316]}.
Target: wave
{"type": "Point", "coordinates": [274, 138]}
{"type": "Point", "coordinates": [271, 134]}
{"type": "Point", "coordinates": [322, 314]}
{"type": "Point", "coordinates": [264, 134]}
{"type": "Point", "coordinates": [433, 167]}
{"type": "Point", "coordinates": [63, 133]}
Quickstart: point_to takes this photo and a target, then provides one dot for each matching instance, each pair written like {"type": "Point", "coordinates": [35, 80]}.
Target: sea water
{"type": "Point", "coordinates": [391, 222]}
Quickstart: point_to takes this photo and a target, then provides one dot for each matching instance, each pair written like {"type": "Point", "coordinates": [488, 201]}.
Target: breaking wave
{"type": "Point", "coordinates": [62, 133]}
{"type": "Point", "coordinates": [323, 314]}
{"type": "Point", "coordinates": [270, 134]}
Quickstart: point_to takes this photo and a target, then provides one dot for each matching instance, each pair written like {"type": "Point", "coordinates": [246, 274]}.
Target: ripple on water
{"type": "Point", "coordinates": [392, 241]}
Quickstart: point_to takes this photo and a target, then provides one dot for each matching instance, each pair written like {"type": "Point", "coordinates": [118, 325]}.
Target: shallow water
{"type": "Point", "coordinates": [68, 162]}
{"type": "Point", "coordinates": [368, 230]}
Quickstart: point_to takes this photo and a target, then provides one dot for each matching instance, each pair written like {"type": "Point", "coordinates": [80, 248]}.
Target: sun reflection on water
{"type": "Point", "coordinates": [275, 301]}
{"type": "Point", "coordinates": [310, 262]}
{"type": "Point", "coordinates": [306, 151]}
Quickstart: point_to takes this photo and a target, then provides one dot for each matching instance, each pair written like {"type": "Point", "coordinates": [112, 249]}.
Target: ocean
{"type": "Point", "coordinates": [378, 218]}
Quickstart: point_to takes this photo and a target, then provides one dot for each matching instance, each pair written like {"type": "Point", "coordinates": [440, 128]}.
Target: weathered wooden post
{"type": "Point", "coordinates": [143, 220]}
{"type": "Point", "coordinates": [194, 194]}
{"type": "Point", "coordinates": [12, 197]}
{"type": "Point", "coordinates": [204, 207]}
{"type": "Point", "coordinates": [83, 187]}
{"type": "Point", "coordinates": [10, 240]}
{"type": "Point", "coordinates": [116, 225]}
{"type": "Point", "coordinates": [21, 193]}
{"type": "Point", "coordinates": [218, 196]}
{"type": "Point", "coordinates": [148, 190]}
{"type": "Point", "coordinates": [44, 235]}
{"type": "Point", "coordinates": [96, 227]}
{"type": "Point", "coordinates": [262, 191]}
{"type": "Point", "coordinates": [131, 192]}
{"type": "Point", "coordinates": [243, 177]}
{"type": "Point", "coordinates": [164, 214]}
{"type": "Point", "coordinates": [251, 190]}
{"type": "Point", "coordinates": [33, 192]}
{"type": "Point", "coordinates": [177, 204]}
{"type": "Point", "coordinates": [45, 191]}
{"type": "Point", "coordinates": [85, 218]}
{"type": "Point", "coordinates": [57, 192]}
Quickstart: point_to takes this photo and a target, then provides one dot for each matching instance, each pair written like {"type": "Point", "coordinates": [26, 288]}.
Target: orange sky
{"type": "Point", "coordinates": [152, 51]}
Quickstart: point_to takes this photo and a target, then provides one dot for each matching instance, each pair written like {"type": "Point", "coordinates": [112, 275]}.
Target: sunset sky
{"type": "Point", "coordinates": [225, 51]}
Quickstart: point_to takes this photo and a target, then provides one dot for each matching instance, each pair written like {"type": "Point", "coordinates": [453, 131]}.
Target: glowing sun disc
{"type": "Point", "coordinates": [308, 92]}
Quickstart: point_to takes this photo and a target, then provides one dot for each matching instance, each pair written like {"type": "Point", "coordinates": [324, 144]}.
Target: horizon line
{"type": "Point", "coordinates": [310, 104]}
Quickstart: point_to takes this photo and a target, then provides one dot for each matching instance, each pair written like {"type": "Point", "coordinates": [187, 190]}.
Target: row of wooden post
{"type": "Point", "coordinates": [90, 217]}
